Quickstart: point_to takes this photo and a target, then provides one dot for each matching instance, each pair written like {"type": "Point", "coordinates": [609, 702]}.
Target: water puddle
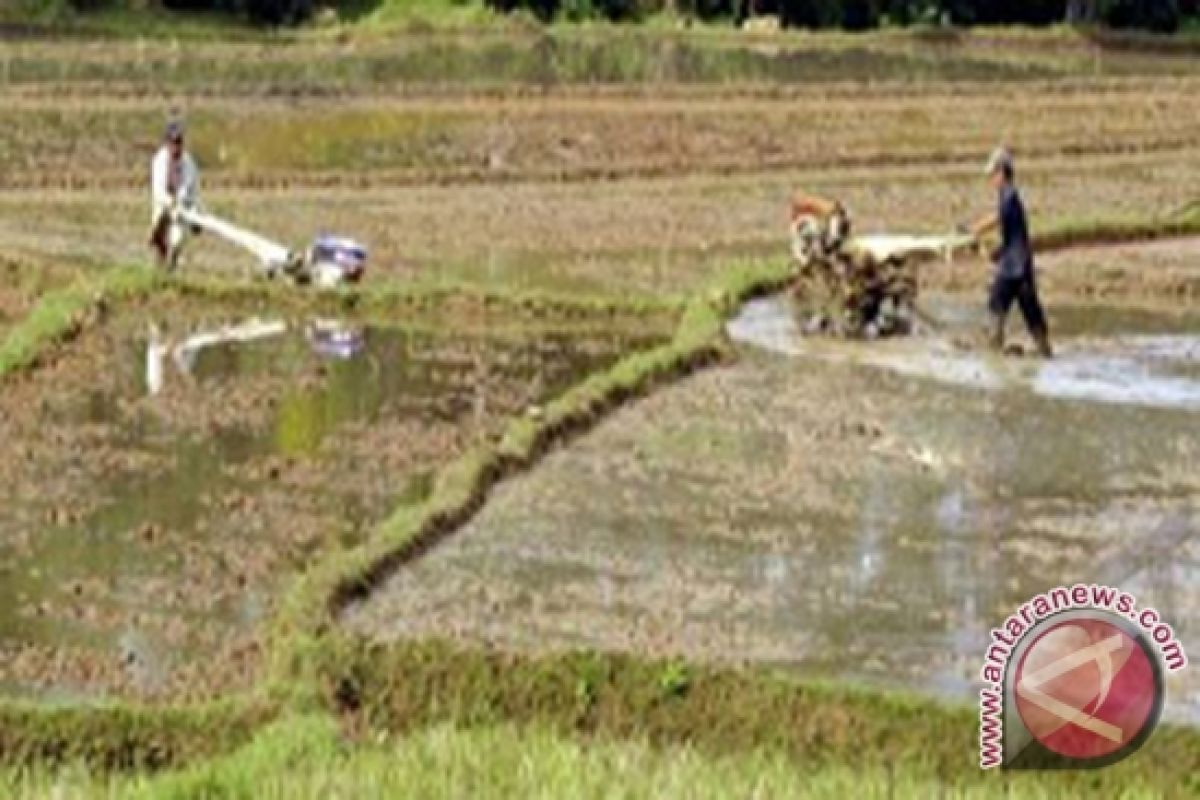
{"type": "Point", "coordinates": [854, 511]}
{"type": "Point", "coordinates": [164, 486]}
{"type": "Point", "coordinates": [1151, 369]}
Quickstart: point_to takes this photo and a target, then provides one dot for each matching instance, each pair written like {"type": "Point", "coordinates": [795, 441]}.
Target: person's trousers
{"type": "Point", "coordinates": [167, 235]}
{"type": "Point", "coordinates": [1023, 291]}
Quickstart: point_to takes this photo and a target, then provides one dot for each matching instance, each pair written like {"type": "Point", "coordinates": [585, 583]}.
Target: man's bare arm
{"type": "Point", "coordinates": [984, 225]}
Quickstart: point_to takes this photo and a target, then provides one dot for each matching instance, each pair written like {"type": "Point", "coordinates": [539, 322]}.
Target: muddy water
{"type": "Point", "coordinates": [155, 506]}
{"type": "Point", "coordinates": [1107, 356]}
{"type": "Point", "coordinates": [851, 511]}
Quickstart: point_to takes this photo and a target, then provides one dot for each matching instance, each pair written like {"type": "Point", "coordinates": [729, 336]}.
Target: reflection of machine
{"type": "Point", "coordinates": [335, 339]}
{"type": "Point", "coordinates": [329, 261]}
{"type": "Point", "coordinates": [325, 337]}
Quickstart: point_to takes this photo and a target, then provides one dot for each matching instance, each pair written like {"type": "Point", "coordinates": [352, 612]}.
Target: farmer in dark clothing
{"type": "Point", "coordinates": [1014, 276]}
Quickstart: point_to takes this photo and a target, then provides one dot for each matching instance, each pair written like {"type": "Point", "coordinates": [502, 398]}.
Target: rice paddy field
{"type": "Point", "coordinates": [558, 502]}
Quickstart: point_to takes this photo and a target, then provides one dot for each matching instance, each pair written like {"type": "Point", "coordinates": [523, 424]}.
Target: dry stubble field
{"type": "Point", "coordinates": [646, 180]}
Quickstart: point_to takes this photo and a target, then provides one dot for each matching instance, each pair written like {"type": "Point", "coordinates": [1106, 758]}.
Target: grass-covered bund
{"type": "Point", "coordinates": [337, 715]}
{"type": "Point", "coordinates": [123, 735]}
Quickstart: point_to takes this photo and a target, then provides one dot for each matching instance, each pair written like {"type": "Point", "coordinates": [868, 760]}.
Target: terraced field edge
{"type": "Point", "coordinates": [122, 734]}
{"type": "Point", "coordinates": [718, 710]}
{"type": "Point", "coordinates": [308, 616]}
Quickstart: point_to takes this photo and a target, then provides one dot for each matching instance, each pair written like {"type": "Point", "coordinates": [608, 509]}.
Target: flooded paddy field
{"type": "Point", "coordinates": [854, 511]}
{"type": "Point", "coordinates": [537, 203]}
{"type": "Point", "coordinates": [171, 470]}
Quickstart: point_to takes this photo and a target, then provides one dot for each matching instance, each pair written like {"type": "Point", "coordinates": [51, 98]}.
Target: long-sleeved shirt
{"type": "Point", "coordinates": [172, 180]}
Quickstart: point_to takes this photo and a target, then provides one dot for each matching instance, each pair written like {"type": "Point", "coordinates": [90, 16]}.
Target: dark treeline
{"type": "Point", "coordinates": [266, 12]}
{"type": "Point", "coordinates": [263, 12]}
{"type": "Point", "coordinates": [1156, 15]}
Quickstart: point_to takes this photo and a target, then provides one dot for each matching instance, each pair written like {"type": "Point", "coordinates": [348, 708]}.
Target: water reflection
{"type": "Point", "coordinates": [331, 338]}
{"type": "Point", "coordinates": [755, 512]}
{"type": "Point", "coordinates": [159, 508]}
{"type": "Point", "coordinates": [1158, 370]}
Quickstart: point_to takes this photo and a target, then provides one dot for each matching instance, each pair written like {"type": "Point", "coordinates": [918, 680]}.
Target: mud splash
{"type": "Point", "coordinates": [1096, 361]}
{"type": "Point", "coordinates": [162, 488]}
{"type": "Point", "coordinates": [841, 517]}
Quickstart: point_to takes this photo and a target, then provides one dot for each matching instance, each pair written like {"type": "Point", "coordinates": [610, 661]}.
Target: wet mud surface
{"type": "Point", "coordinates": [155, 506]}
{"type": "Point", "coordinates": [852, 511]}
{"type": "Point", "coordinates": [1114, 356]}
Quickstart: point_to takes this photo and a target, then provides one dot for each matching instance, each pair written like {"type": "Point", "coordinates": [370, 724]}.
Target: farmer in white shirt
{"type": "Point", "coordinates": [174, 181]}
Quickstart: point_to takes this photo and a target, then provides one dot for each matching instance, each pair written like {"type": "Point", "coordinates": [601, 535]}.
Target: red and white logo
{"type": "Point", "coordinates": [1074, 679]}
{"type": "Point", "coordinates": [1085, 688]}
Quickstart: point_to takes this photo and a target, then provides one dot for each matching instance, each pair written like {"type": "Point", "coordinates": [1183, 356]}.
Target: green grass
{"type": "Point", "coordinates": [119, 22]}
{"type": "Point", "coordinates": [366, 16]}
{"type": "Point", "coordinates": [1184, 221]}
{"type": "Point", "coordinates": [438, 722]}
{"type": "Point", "coordinates": [126, 735]}
{"type": "Point", "coordinates": [387, 57]}
{"type": "Point", "coordinates": [416, 15]}
{"type": "Point", "coordinates": [410, 686]}
{"type": "Point", "coordinates": [435, 298]}
{"type": "Point", "coordinates": [62, 313]}
{"type": "Point", "coordinates": [434, 720]}
{"type": "Point", "coordinates": [123, 736]}
{"type": "Point", "coordinates": [308, 757]}
{"type": "Point", "coordinates": [306, 617]}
